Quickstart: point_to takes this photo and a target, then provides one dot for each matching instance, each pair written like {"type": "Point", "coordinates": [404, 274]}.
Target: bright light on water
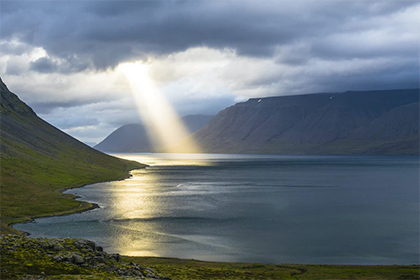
{"type": "Point", "coordinates": [162, 123]}
{"type": "Point", "coordinates": [132, 203]}
{"type": "Point", "coordinates": [254, 208]}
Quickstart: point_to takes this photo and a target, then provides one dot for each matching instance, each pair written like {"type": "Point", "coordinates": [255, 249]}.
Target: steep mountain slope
{"type": "Point", "coordinates": [395, 132]}
{"type": "Point", "coordinates": [37, 159]}
{"type": "Point", "coordinates": [317, 123]}
{"type": "Point", "coordinates": [133, 137]}
{"type": "Point", "coordinates": [127, 138]}
{"type": "Point", "coordinates": [399, 123]}
{"type": "Point", "coordinates": [194, 123]}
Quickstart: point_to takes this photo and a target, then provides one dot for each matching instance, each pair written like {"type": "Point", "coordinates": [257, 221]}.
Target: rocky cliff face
{"type": "Point", "coordinates": [339, 123]}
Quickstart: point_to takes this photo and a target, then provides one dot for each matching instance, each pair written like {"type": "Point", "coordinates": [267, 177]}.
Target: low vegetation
{"type": "Point", "coordinates": [32, 183]}
{"type": "Point", "coordinates": [31, 189]}
{"type": "Point", "coordinates": [64, 258]}
{"type": "Point", "coordinates": [192, 269]}
{"type": "Point", "coordinates": [38, 162]}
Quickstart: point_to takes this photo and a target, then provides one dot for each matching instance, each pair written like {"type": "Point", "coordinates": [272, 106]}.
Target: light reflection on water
{"type": "Point", "coordinates": [140, 204]}
{"type": "Point", "coordinates": [295, 209]}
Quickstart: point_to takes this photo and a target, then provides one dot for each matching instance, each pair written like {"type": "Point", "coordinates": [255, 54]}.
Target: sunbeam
{"type": "Point", "coordinates": [162, 123]}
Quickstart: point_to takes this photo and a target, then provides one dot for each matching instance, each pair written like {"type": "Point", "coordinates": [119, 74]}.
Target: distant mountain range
{"type": "Point", "coordinates": [353, 122]}
{"type": "Point", "coordinates": [134, 138]}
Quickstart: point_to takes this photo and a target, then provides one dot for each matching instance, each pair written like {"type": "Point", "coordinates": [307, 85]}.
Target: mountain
{"type": "Point", "coordinates": [194, 123]}
{"type": "Point", "coordinates": [38, 159]}
{"type": "Point", "coordinates": [353, 122]}
{"type": "Point", "coordinates": [133, 137]}
{"type": "Point", "coordinates": [127, 138]}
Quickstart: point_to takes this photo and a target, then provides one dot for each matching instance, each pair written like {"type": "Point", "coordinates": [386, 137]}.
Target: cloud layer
{"type": "Point", "coordinates": [61, 56]}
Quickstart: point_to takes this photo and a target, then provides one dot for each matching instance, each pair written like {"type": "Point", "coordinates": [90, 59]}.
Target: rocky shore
{"type": "Point", "coordinates": [28, 258]}
{"type": "Point", "coordinates": [24, 257]}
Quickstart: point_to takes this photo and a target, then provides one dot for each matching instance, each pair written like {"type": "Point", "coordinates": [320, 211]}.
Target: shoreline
{"type": "Point", "coordinates": [87, 206]}
{"type": "Point", "coordinates": [32, 219]}
{"type": "Point", "coordinates": [83, 207]}
{"type": "Point", "coordinates": [71, 258]}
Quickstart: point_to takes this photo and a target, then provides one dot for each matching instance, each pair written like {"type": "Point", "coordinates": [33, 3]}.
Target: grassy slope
{"type": "Point", "coordinates": [22, 256]}
{"type": "Point", "coordinates": [38, 161]}
{"type": "Point", "coordinates": [192, 269]}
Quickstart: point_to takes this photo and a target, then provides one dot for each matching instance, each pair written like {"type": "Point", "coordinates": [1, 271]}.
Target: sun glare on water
{"type": "Point", "coordinates": [163, 125]}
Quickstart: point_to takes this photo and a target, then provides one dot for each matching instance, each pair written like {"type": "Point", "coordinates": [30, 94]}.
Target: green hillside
{"type": "Point", "coordinates": [38, 161]}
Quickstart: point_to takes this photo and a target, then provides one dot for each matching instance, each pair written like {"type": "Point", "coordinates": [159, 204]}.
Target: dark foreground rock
{"type": "Point", "coordinates": [37, 258]}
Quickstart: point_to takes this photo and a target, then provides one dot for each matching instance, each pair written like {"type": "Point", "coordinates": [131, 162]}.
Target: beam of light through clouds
{"type": "Point", "coordinates": [162, 123]}
{"type": "Point", "coordinates": [61, 57]}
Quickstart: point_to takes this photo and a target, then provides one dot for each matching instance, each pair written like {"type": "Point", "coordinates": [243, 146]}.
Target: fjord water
{"type": "Point", "coordinates": [254, 208]}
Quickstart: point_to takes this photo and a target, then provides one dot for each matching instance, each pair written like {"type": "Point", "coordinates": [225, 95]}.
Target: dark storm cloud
{"type": "Point", "coordinates": [105, 33]}
{"type": "Point", "coordinates": [394, 78]}
{"type": "Point", "coordinates": [68, 65]}
{"type": "Point", "coordinates": [43, 65]}
{"type": "Point", "coordinates": [315, 40]}
{"type": "Point", "coordinates": [80, 121]}
{"type": "Point", "coordinates": [54, 53]}
{"type": "Point", "coordinates": [47, 107]}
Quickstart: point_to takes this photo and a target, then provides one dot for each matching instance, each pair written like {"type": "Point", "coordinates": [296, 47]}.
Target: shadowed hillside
{"type": "Point", "coordinates": [134, 138]}
{"type": "Point", "coordinates": [370, 122]}
{"type": "Point", "coordinates": [127, 138]}
{"type": "Point", "coordinates": [37, 159]}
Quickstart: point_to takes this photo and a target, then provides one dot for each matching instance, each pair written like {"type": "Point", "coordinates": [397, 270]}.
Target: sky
{"type": "Point", "coordinates": [62, 57]}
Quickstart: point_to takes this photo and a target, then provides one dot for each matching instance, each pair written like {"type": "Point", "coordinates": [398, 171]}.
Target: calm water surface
{"type": "Point", "coordinates": [255, 208]}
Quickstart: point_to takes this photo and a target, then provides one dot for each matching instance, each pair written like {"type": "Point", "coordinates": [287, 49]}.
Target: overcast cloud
{"type": "Point", "coordinates": [60, 57]}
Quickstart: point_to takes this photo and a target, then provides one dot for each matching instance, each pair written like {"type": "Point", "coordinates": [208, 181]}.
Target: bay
{"type": "Point", "coordinates": [254, 208]}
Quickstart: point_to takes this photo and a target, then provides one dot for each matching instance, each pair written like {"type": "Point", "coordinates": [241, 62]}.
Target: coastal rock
{"type": "Point", "coordinates": [111, 268]}
{"type": "Point", "coordinates": [77, 259]}
{"type": "Point", "coordinates": [58, 248]}
{"type": "Point", "coordinates": [71, 253]}
{"type": "Point", "coordinates": [115, 257]}
{"type": "Point", "coordinates": [85, 245]}
{"type": "Point", "coordinates": [59, 258]}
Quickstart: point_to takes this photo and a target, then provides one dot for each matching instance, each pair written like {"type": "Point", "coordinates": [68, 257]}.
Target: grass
{"type": "Point", "coordinates": [180, 269]}
{"type": "Point", "coordinates": [34, 258]}
{"type": "Point", "coordinates": [22, 256]}
{"type": "Point", "coordinates": [38, 162]}
{"type": "Point", "coordinates": [32, 187]}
